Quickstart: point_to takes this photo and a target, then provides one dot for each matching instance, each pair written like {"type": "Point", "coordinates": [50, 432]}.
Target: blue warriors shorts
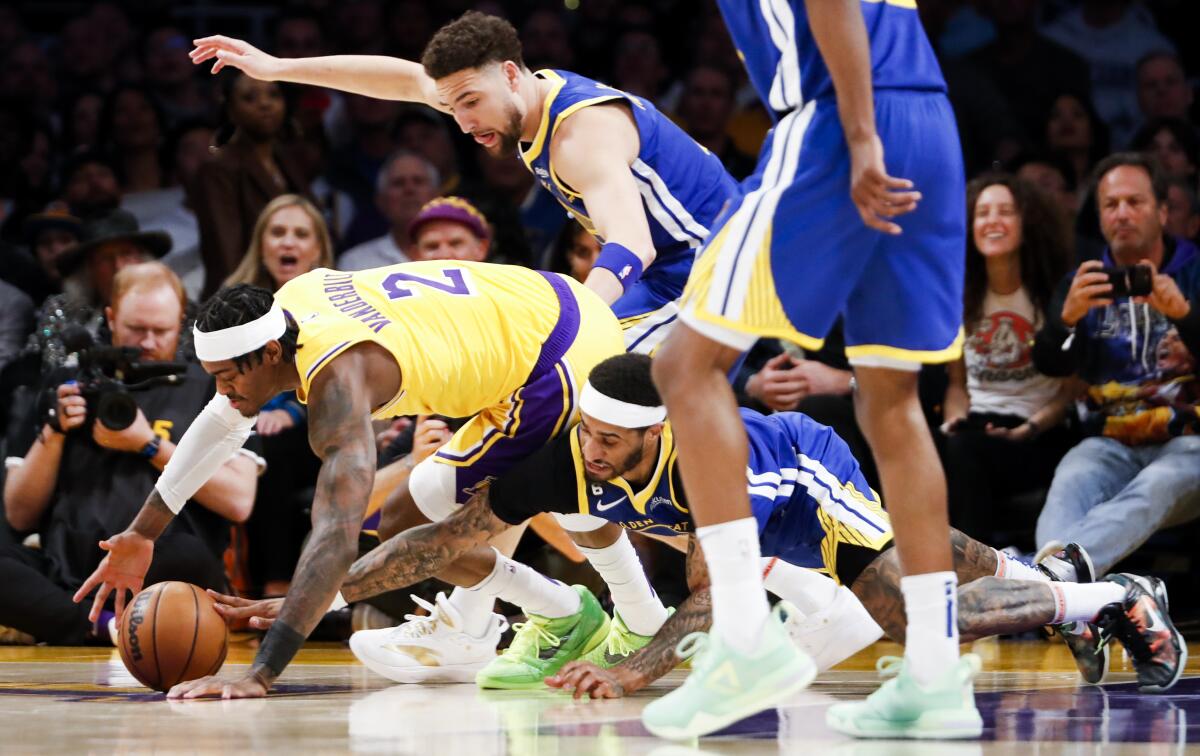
{"type": "Point", "coordinates": [794, 254]}
{"type": "Point", "coordinates": [498, 437]}
{"type": "Point", "coordinates": [810, 497]}
{"type": "Point", "coordinates": [649, 309]}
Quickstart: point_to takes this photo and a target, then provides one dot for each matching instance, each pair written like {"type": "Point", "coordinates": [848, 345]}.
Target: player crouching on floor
{"type": "Point", "coordinates": [814, 510]}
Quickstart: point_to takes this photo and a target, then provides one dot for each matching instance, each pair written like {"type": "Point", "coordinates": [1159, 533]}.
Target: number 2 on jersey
{"type": "Point", "coordinates": [456, 283]}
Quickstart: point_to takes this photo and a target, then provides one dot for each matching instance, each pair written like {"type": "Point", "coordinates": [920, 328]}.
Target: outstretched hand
{"type": "Point", "coordinates": [586, 679]}
{"type": "Point", "coordinates": [242, 55]}
{"type": "Point", "coordinates": [261, 613]}
{"type": "Point", "coordinates": [124, 569]}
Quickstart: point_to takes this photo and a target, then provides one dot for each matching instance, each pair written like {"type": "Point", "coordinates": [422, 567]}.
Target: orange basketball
{"type": "Point", "coordinates": [172, 633]}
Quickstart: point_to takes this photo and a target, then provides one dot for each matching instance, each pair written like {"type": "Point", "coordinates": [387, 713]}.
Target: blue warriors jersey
{"type": "Point", "coordinates": [776, 44]}
{"type": "Point", "coordinates": [806, 491]}
{"type": "Point", "coordinates": [683, 185]}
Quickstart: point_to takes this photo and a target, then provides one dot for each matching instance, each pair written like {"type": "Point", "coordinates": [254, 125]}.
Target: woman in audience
{"type": "Point", "coordinates": [1174, 142]}
{"type": "Point", "coordinates": [289, 239]}
{"type": "Point", "coordinates": [250, 168]}
{"type": "Point", "coordinates": [132, 131]}
{"type": "Point", "coordinates": [1004, 421]}
{"type": "Point", "coordinates": [1074, 131]}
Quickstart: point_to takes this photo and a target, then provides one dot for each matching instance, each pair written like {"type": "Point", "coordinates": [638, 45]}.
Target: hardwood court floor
{"type": "Point", "coordinates": [76, 700]}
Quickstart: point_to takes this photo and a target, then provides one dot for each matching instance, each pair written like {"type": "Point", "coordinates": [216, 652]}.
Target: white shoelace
{"type": "Point", "coordinates": [420, 625]}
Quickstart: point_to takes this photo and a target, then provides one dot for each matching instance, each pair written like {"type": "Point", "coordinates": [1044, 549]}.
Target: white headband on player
{"type": "Point", "coordinates": [616, 412]}
{"type": "Point", "coordinates": [228, 343]}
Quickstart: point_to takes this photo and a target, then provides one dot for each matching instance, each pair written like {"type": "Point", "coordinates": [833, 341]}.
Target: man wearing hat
{"type": "Point", "coordinates": [449, 228]}
{"type": "Point", "coordinates": [108, 243]}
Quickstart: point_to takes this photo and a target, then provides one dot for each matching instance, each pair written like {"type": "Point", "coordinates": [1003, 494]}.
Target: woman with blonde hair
{"type": "Point", "coordinates": [289, 238]}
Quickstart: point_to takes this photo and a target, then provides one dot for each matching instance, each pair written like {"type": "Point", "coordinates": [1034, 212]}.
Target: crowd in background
{"type": "Point", "coordinates": [128, 173]}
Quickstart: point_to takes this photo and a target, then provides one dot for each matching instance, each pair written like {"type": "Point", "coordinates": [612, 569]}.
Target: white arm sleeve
{"type": "Point", "coordinates": [215, 436]}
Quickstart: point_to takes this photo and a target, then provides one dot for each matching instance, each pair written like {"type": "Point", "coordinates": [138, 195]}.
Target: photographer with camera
{"type": "Point", "coordinates": [108, 431]}
{"type": "Point", "coordinates": [1128, 326]}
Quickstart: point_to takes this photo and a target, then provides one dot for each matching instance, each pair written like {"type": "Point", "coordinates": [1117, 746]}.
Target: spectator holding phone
{"type": "Point", "coordinates": [1128, 326]}
{"type": "Point", "coordinates": [1003, 419]}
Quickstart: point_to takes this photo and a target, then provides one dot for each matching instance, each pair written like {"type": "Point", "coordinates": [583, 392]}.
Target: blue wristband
{"type": "Point", "coordinates": [622, 263]}
{"type": "Point", "coordinates": [150, 450]}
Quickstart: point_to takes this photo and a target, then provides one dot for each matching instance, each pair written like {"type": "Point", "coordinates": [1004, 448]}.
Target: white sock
{"type": "Point", "coordinates": [641, 609]}
{"type": "Point", "coordinates": [1081, 602]}
{"type": "Point", "coordinates": [476, 609]}
{"type": "Point", "coordinates": [529, 589]}
{"type": "Point", "coordinates": [1012, 568]}
{"type": "Point", "coordinates": [931, 603]}
{"type": "Point", "coordinates": [807, 590]}
{"type": "Point", "coordinates": [733, 556]}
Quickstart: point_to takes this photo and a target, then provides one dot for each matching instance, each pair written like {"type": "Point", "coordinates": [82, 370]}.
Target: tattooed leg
{"type": "Point", "coordinates": [995, 606]}
{"type": "Point", "coordinates": [878, 587]}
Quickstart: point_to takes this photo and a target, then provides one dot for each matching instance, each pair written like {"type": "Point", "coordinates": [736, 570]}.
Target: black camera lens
{"type": "Point", "coordinates": [116, 410]}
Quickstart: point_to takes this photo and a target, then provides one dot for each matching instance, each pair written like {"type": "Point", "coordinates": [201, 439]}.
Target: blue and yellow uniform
{"type": "Point", "coordinates": [806, 492]}
{"type": "Point", "coordinates": [506, 345]}
{"type": "Point", "coordinates": [683, 188]}
{"type": "Point", "coordinates": [794, 254]}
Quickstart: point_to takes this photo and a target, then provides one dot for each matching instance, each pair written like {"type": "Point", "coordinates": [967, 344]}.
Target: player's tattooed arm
{"type": "Point", "coordinates": [340, 434]}
{"type": "Point", "coordinates": [423, 551]}
{"type": "Point", "coordinates": [656, 658]}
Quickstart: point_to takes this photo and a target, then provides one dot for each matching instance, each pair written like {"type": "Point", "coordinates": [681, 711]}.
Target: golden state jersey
{"type": "Point", "coordinates": [806, 491]}
{"type": "Point", "coordinates": [464, 334]}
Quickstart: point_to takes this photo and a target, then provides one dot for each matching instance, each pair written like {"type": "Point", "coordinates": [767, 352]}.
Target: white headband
{"type": "Point", "coordinates": [228, 343]}
{"type": "Point", "coordinates": [616, 412]}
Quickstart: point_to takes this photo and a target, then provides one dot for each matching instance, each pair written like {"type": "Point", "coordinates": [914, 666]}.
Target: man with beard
{"type": "Point", "coordinates": [504, 345]}
{"type": "Point", "coordinates": [626, 172]}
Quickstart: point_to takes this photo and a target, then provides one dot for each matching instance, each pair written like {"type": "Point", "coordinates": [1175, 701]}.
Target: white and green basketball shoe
{"type": "Point", "coordinates": [901, 708]}
{"type": "Point", "coordinates": [726, 686]}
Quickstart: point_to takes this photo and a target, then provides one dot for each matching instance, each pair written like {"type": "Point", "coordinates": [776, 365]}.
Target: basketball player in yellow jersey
{"type": "Point", "coordinates": [509, 345]}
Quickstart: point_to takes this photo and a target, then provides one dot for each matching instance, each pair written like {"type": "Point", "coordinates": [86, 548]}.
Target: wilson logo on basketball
{"type": "Point", "coordinates": [137, 615]}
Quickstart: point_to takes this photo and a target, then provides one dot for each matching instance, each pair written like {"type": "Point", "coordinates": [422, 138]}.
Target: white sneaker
{"type": "Point", "coordinates": [835, 633]}
{"type": "Point", "coordinates": [432, 649]}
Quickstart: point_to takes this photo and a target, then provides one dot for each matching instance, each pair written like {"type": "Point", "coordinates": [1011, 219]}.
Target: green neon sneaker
{"type": "Point", "coordinates": [543, 645]}
{"type": "Point", "coordinates": [726, 686]}
{"type": "Point", "coordinates": [620, 644]}
{"type": "Point", "coordinates": [903, 709]}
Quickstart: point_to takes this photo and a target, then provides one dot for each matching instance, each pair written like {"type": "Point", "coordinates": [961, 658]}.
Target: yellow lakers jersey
{"type": "Point", "coordinates": [464, 334]}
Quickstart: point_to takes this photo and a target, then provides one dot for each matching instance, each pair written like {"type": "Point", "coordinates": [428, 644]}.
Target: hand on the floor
{"type": "Point", "coordinates": [588, 679]}
{"type": "Point", "coordinates": [261, 613]}
{"type": "Point", "coordinates": [211, 686]}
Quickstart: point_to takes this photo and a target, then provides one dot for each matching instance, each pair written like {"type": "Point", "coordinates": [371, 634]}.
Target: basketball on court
{"type": "Point", "coordinates": [171, 633]}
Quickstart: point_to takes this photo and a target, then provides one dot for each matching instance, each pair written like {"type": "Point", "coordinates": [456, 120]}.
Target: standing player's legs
{"type": "Point", "coordinates": [731, 301]}
{"type": "Point", "coordinates": [905, 311]}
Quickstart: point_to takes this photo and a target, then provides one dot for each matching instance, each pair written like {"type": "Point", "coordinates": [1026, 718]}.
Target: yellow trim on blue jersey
{"type": "Point", "coordinates": [539, 139]}
{"type": "Point", "coordinates": [762, 304]}
{"type": "Point", "coordinates": [909, 4]}
{"type": "Point", "coordinates": [564, 115]}
{"type": "Point", "coordinates": [666, 459]}
{"type": "Point", "coordinates": [949, 354]}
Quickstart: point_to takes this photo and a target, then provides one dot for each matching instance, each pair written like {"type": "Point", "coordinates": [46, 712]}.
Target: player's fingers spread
{"type": "Point", "coordinates": [227, 599]}
{"type": "Point", "coordinates": [879, 224]}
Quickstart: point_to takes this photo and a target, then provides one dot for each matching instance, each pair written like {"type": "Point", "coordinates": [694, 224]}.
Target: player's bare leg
{"type": "Point", "coordinates": [932, 695]}
{"type": "Point", "coordinates": [748, 663]}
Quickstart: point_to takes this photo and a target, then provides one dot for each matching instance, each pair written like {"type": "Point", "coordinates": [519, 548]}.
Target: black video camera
{"type": "Point", "coordinates": [106, 376]}
{"type": "Point", "coordinates": [1130, 281]}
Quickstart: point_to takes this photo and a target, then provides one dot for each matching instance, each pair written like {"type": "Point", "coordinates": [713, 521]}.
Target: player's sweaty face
{"type": "Point", "coordinates": [484, 104]}
{"type": "Point", "coordinates": [608, 450]}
